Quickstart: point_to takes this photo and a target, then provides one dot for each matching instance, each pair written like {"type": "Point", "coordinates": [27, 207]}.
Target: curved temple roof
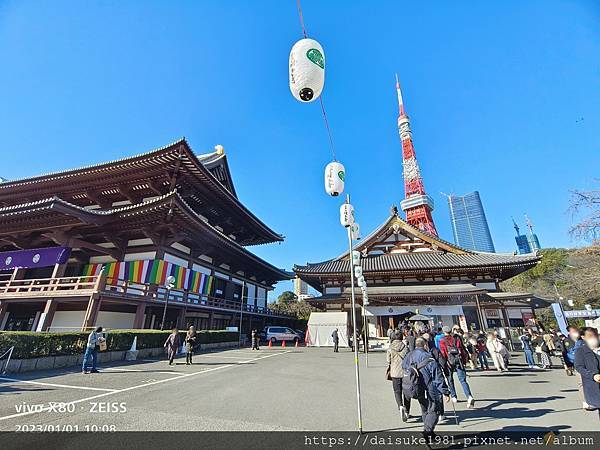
{"type": "Point", "coordinates": [146, 175]}
{"type": "Point", "coordinates": [170, 204]}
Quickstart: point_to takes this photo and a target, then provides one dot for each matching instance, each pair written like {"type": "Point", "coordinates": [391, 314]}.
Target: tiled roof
{"type": "Point", "coordinates": [430, 260]}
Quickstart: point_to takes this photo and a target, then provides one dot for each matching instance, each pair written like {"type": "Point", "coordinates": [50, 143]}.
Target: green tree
{"type": "Point", "coordinates": [288, 303]}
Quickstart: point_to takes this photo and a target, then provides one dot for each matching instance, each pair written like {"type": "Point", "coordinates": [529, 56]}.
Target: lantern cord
{"type": "Point", "coordinates": [328, 129]}
{"type": "Point", "coordinates": [321, 97]}
{"type": "Point", "coordinates": [301, 18]}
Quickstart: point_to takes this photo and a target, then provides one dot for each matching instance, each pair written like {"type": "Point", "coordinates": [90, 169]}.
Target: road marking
{"type": "Point", "coordinates": [57, 385]}
{"type": "Point", "coordinates": [229, 357]}
{"type": "Point", "coordinates": [166, 380]}
{"type": "Point", "coordinates": [119, 369]}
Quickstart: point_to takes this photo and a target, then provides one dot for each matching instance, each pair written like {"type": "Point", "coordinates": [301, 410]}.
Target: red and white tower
{"type": "Point", "coordinates": [417, 205]}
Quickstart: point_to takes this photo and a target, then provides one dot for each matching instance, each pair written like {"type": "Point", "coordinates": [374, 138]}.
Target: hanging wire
{"type": "Point", "coordinates": [328, 129]}
{"type": "Point", "coordinates": [329, 134]}
{"type": "Point", "coordinates": [301, 18]}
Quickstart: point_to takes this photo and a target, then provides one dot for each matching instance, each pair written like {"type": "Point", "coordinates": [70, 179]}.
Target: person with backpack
{"type": "Point", "coordinates": [443, 366]}
{"type": "Point", "coordinates": [453, 350]}
{"type": "Point", "coordinates": [424, 382]}
{"type": "Point", "coordinates": [395, 357]}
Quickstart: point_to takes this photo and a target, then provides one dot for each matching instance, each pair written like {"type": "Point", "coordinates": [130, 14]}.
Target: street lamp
{"type": "Point", "coordinates": [347, 220]}
{"type": "Point", "coordinates": [169, 284]}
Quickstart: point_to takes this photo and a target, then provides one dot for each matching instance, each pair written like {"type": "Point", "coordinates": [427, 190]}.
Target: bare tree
{"type": "Point", "coordinates": [585, 205]}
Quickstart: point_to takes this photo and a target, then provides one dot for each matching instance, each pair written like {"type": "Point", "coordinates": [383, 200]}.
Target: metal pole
{"type": "Point", "coordinates": [241, 311]}
{"type": "Point", "coordinates": [366, 336]}
{"type": "Point", "coordinates": [162, 324]}
{"type": "Point", "coordinates": [480, 313]}
{"type": "Point", "coordinates": [355, 334]}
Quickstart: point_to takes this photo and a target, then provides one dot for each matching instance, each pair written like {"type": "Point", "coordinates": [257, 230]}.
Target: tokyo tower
{"type": "Point", "coordinates": [417, 205]}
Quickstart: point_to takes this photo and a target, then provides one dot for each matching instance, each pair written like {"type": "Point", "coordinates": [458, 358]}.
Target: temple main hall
{"type": "Point", "coordinates": [97, 245]}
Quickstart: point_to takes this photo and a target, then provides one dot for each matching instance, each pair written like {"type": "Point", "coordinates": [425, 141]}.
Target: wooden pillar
{"type": "Point", "coordinates": [181, 319]}
{"type": "Point", "coordinates": [3, 313]}
{"type": "Point", "coordinates": [47, 315]}
{"type": "Point", "coordinates": [91, 314]}
{"type": "Point", "coordinates": [211, 320]}
{"type": "Point", "coordinates": [59, 270]}
{"type": "Point", "coordinates": [140, 314]}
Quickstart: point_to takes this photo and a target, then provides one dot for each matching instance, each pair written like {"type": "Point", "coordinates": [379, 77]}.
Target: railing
{"type": "Point", "coordinates": [180, 296]}
{"type": "Point", "coordinates": [89, 285]}
{"type": "Point", "coordinates": [43, 287]}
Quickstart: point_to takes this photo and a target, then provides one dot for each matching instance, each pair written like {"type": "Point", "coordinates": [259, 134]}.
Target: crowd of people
{"type": "Point", "coordinates": [422, 364]}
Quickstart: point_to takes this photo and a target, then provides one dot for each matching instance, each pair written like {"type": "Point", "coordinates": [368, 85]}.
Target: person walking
{"type": "Point", "coordinates": [471, 347]}
{"type": "Point", "coordinates": [496, 349]}
{"type": "Point", "coordinates": [190, 343]}
{"type": "Point", "coordinates": [408, 337]}
{"type": "Point", "coordinates": [336, 340]}
{"type": "Point", "coordinates": [587, 364]}
{"type": "Point", "coordinates": [541, 350]}
{"type": "Point", "coordinates": [576, 343]}
{"type": "Point", "coordinates": [443, 367]}
{"type": "Point", "coordinates": [563, 344]}
{"type": "Point", "coordinates": [423, 381]}
{"type": "Point", "coordinates": [453, 350]}
{"type": "Point", "coordinates": [255, 339]}
{"type": "Point", "coordinates": [526, 342]}
{"type": "Point", "coordinates": [172, 344]}
{"type": "Point", "coordinates": [91, 350]}
{"type": "Point", "coordinates": [395, 357]}
{"type": "Point", "coordinates": [439, 335]}
{"type": "Point", "coordinates": [482, 352]}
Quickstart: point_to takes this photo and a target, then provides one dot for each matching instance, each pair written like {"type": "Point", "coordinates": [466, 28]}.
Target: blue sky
{"type": "Point", "coordinates": [503, 97]}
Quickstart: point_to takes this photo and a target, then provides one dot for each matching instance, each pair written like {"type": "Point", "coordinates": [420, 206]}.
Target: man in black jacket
{"type": "Point", "coordinates": [587, 363]}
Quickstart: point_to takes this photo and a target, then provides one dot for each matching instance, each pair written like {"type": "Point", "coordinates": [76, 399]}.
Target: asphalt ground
{"type": "Point", "coordinates": [276, 389]}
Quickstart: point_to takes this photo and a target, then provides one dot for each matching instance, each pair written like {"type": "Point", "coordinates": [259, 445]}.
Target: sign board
{"type": "Point", "coordinates": [561, 320]}
{"type": "Point", "coordinates": [582, 313]}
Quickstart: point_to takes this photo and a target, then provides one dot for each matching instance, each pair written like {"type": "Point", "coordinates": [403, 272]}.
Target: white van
{"type": "Point", "coordinates": [280, 334]}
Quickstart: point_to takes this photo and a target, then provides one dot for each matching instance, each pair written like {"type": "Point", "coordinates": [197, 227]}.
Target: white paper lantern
{"type": "Point", "coordinates": [346, 214]}
{"type": "Point", "coordinates": [358, 271]}
{"type": "Point", "coordinates": [360, 280]}
{"type": "Point", "coordinates": [335, 173]}
{"type": "Point", "coordinates": [363, 287]}
{"type": "Point", "coordinates": [355, 257]}
{"type": "Point", "coordinates": [307, 70]}
{"type": "Point", "coordinates": [355, 230]}
{"type": "Point", "coordinates": [365, 298]}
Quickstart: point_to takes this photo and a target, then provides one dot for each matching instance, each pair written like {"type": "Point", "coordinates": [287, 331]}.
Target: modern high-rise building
{"type": "Point", "coordinates": [469, 224]}
{"type": "Point", "coordinates": [526, 243]}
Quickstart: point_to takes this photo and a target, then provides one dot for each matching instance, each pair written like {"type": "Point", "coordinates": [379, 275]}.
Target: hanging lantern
{"type": "Point", "coordinates": [355, 230]}
{"type": "Point", "coordinates": [363, 287]}
{"type": "Point", "coordinates": [358, 271]}
{"type": "Point", "coordinates": [355, 257]}
{"type": "Point", "coordinates": [307, 70]}
{"type": "Point", "coordinates": [346, 214]}
{"type": "Point", "coordinates": [360, 280]}
{"type": "Point", "coordinates": [335, 173]}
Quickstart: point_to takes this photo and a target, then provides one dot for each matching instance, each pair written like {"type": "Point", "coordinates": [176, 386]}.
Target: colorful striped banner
{"type": "Point", "coordinates": [153, 272]}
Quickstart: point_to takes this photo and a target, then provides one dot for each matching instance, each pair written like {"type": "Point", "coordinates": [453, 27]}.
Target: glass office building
{"type": "Point", "coordinates": [469, 224]}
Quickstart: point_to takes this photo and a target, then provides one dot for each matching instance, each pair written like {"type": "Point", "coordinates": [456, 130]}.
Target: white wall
{"type": "Point", "coordinates": [141, 256]}
{"type": "Point", "coordinates": [115, 320]}
{"type": "Point", "coordinates": [67, 321]}
{"type": "Point", "coordinates": [175, 260]}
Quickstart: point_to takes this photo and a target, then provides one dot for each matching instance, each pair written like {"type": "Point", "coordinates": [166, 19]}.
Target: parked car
{"type": "Point", "coordinates": [280, 334]}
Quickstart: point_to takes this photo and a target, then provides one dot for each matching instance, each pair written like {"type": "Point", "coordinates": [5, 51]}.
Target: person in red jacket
{"type": "Point", "coordinates": [453, 349]}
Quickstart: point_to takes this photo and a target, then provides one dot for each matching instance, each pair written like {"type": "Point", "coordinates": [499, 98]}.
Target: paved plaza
{"type": "Point", "coordinates": [276, 389]}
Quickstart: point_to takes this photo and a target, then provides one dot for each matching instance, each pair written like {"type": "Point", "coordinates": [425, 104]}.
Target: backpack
{"type": "Point", "coordinates": [454, 357]}
{"type": "Point", "coordinates": [413, 385]}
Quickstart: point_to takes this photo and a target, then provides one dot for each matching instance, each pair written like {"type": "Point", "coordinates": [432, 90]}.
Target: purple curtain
{"type": "Point", "coordinates": [36, 257]}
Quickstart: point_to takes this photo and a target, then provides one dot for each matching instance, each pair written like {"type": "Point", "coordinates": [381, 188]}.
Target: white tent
{"type": "Point", "coordinates": [322, 324]}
